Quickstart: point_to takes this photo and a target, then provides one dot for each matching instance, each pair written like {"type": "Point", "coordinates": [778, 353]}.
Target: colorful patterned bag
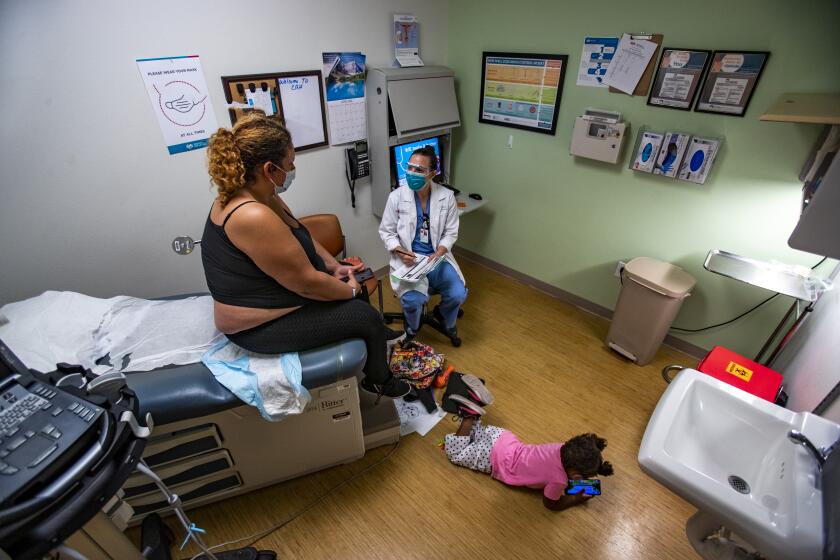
{"type": "Point", "coordinates": [416, 363]}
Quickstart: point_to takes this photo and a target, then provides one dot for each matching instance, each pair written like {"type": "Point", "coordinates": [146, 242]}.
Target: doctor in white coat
{"type": "Point", "coordinates": [422, 219]}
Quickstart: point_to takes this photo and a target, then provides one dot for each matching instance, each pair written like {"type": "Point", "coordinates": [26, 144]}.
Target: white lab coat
{"type": "Point", "coordinates": [399, 223]}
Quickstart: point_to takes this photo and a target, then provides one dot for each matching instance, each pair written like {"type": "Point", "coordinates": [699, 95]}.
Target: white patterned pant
{"type": "Point", "coordinates": [473, 451]}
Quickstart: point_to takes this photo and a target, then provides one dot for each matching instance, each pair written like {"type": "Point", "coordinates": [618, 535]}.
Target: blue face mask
{"type": "Point", "coordinates": [287, 182]}
{"type": "Point", "coordinates": [416, 181]}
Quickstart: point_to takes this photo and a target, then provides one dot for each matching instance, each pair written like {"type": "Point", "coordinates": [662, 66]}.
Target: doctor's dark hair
{"type": "Point", "coordinates": [583, 454]}
{"type": "Point", "coordinates": [429, 153]}
{"type": "Point", "coordinates": [235, 156]}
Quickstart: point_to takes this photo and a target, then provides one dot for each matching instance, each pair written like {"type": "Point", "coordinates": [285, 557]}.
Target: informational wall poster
{"type": "Point", "coordinates": [406, 41]}
{"type": "Point", "coordinates": [344, 78]}
{"type": "Point", "coordinates": [731, 81]}
{"type": "Point", "coordinates": [522, 90]}
{"type": "Point", "coordinates": [678, 78]}
{"type": "Point", "coordinates": [595, 59]}
{"type": "Point", "coordinates": [178, 93]}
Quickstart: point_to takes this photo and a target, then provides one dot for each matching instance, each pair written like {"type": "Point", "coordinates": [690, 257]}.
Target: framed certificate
{"type": "Point", "coordinates": [731, 81]}
{"type": "Point", "coordinates": [522, 90]}
{"type": "Point", "coordinates": [678, 78]}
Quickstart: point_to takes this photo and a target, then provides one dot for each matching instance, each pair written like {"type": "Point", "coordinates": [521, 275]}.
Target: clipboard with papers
{"type": "Point", "coordinates": [417, 271]}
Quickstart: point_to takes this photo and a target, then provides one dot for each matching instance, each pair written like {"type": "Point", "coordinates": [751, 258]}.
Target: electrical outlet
{"type": "Point", "coordinates": [619, 267]}
{"type": "Point", "coordinates": [509, 144]}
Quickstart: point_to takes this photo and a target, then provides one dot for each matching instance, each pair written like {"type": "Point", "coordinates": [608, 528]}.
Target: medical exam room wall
{"type": "Point", "coordinates": [567, 221]}
{"type": "Point", "coordinates": [91, 198]}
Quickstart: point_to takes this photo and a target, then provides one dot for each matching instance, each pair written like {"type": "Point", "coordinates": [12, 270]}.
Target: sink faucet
{"type": "Point", "coordinates": [819, 454]}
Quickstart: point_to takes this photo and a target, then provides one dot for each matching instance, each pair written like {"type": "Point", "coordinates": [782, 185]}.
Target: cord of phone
{"type": "Point", "coordinates": [352, 185]}
{"type": "Point", "coordinates": [264, 533]}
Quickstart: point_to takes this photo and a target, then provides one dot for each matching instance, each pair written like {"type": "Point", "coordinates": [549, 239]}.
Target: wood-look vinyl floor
{"type": "Point", "coordinates": [553, 378]}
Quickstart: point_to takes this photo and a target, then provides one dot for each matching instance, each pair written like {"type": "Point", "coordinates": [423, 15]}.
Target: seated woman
{"type": "Point", "coordinates": [274, 288]}
{"type": "Point", "coordinates": [422, 219]}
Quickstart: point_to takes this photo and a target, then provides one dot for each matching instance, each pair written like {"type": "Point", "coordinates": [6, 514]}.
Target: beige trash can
{"type": "Point", "coordinates": [651, 294]}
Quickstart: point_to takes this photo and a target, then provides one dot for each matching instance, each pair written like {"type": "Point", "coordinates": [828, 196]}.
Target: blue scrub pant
{"type": "Point", "coordinates": [444, 280]}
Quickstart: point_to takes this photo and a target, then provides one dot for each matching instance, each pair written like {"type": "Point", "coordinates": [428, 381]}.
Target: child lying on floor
{"type": "Point", "coordinates": [496, 451]}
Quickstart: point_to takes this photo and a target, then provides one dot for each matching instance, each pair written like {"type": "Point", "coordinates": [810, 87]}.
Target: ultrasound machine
{"type": "Point", "coordinates": [68, 441]}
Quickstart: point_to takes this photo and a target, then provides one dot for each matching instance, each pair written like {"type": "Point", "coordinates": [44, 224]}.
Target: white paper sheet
{"type": "Point", "coordinates": [595, 59]}
{"type": "Point", "coordinates": [301, 100]}
{"type": "Point", "coordinates": [260, 99]}
{"type": "Point", "coordinates": [417, 271]}
{"type": "Point", "coordinates": [728, 91]}
{"type": "Point", "coordinates": [629, 63]}
{"type": "Point", "coordinates": [414, 418]}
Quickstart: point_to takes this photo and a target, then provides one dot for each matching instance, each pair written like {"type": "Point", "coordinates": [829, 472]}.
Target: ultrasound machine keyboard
{"type": "Point", "coordinates": [36, 422]}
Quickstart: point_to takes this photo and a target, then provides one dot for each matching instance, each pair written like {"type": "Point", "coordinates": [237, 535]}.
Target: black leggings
{"type": "Point", "coordinates": [320, 323]}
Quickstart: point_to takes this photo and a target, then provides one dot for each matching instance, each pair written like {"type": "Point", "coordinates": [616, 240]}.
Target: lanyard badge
{"type": "Point", "coordinates": [424, 229]}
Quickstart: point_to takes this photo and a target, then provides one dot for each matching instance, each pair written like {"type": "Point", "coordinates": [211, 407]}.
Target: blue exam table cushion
{"type": "Point", "coordinates": [176, 393]}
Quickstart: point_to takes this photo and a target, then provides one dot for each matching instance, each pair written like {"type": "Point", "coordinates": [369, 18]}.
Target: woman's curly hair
{"type": "Point", "coordinates": [234, 156]}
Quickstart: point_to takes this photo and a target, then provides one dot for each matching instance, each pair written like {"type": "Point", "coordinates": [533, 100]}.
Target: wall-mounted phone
{"type": "Point", "coordinates": [357, 166]}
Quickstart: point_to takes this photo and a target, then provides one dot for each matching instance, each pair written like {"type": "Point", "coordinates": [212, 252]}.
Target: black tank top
{"type": "Point", "coordinates": [233, 278]}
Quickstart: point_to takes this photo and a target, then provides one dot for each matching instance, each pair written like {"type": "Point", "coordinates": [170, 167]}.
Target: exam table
{"type": "Point", "coordinates": [207, 445]}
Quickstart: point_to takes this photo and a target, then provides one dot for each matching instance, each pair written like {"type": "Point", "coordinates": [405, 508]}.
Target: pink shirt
{"type": "Point", "coordinates": [535, 466]}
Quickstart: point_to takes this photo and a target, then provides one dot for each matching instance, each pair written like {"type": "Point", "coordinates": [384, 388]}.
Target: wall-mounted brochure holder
{"type": "Point", "coordinates": [296, 97]}
{"type": "Point", "coordinates": [675, 155]}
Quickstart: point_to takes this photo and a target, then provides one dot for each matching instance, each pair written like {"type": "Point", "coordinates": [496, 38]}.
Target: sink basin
{"type": "Point", "coordinates": [727, 452]}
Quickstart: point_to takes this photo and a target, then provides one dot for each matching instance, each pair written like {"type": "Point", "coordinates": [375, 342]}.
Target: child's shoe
{"type": "Point", "coordinates": [467, 407]}
{"type": "Point", "coordinates": [477, 389]}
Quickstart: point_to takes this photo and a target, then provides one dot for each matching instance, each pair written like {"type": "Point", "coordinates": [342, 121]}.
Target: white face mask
{"type": "Point", "coordinates": [290, 176]}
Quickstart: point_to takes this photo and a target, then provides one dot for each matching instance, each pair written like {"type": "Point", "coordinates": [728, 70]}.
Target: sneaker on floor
{"type": "Point", "coordinates": [468, 407]}
{"type": "Point", "coordinates": [478, 388]}
{"type": "Point", "coordinates": [394, 388]}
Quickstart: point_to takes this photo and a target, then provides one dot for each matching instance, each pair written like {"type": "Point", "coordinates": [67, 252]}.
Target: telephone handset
{"type": "Point", "coordinates": [357, 165]}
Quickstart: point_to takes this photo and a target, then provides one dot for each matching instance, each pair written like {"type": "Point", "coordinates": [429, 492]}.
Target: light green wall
{"type": "Point", "coordinates": [567, 221]}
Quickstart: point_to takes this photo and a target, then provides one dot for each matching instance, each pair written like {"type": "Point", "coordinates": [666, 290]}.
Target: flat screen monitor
{"type": "Point", "coordinates": [402, 153]}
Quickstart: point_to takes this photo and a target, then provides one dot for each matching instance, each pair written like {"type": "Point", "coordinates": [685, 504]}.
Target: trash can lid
{"type": "Point", "coordinates": [659, 276]}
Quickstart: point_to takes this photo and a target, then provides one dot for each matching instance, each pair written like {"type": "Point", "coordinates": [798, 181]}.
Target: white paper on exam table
{"type": "Point", "coordinates": [416, 272]}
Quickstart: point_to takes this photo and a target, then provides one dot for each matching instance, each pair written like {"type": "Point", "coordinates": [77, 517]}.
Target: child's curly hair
{"type": "Point", "coordinates": [583, 454]}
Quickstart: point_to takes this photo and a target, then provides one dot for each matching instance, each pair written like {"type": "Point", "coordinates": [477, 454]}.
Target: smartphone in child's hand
{"type": "Point", "coordinates": [588, 486]}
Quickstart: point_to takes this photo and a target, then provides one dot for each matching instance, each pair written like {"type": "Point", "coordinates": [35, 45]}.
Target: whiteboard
{"type": "Point", "coordinates": [302, 100]}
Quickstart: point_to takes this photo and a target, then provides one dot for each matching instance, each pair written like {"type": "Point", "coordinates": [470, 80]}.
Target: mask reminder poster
{"type": "Point", "coordinates": [178, 92]}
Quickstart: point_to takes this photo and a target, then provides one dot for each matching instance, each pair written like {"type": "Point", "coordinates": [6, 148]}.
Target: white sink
{"type": "Point", "coordinates": [704, 431]}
